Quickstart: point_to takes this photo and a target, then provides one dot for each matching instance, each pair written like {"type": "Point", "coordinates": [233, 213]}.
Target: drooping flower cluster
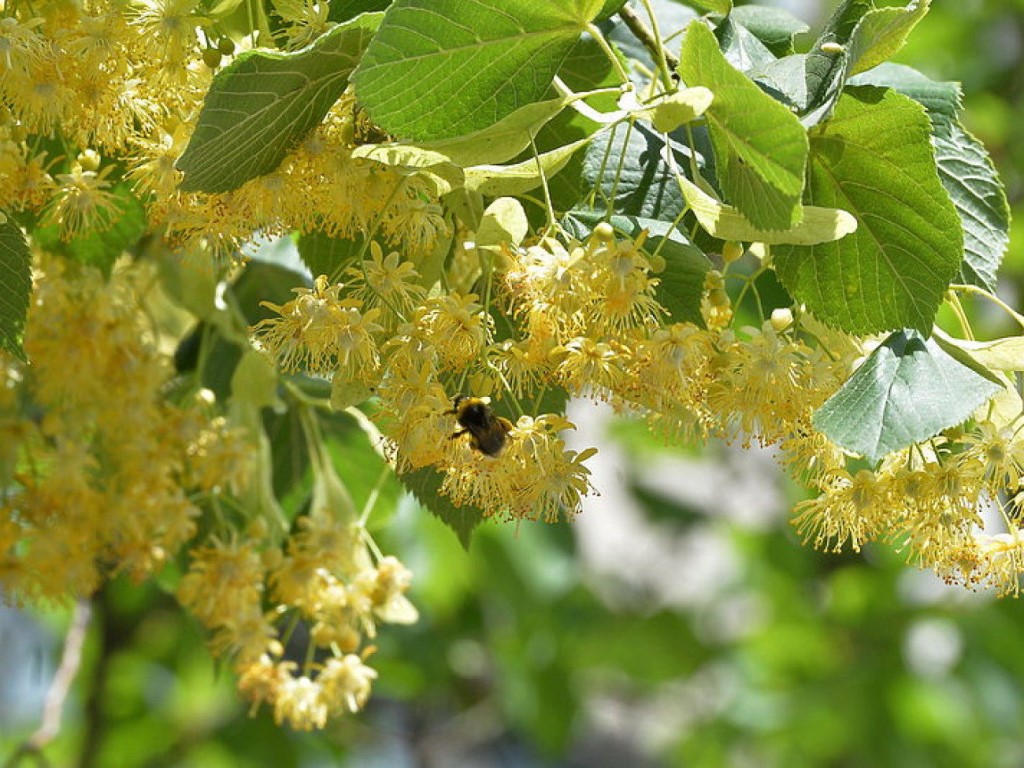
{"type": "Point", "coordinates": [97, 465]}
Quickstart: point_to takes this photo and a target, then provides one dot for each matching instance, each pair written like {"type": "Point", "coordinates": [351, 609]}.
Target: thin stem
{"type": "Point", "coordinates": [961, 316]}
{"type": "Point", "coordinates": [552, 219]}
{"type": "Point", "coordinates": [1019, 318]}
{"type": "Point", "coordinates": [596, 34]}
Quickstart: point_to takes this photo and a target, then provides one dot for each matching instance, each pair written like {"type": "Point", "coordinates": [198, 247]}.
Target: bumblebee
{"type": "Point", "coordinates": [487, 430]}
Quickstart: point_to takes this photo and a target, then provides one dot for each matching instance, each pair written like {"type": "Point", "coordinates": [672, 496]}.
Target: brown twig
{"type": "Point", "coordinates": [71, 658]}
{"type": "Point", "coordinates": [646, 36]}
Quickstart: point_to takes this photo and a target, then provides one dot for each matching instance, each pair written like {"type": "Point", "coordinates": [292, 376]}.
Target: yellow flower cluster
{"type": "Point", "coordinates": [586, 321]}
{"type": "Point", "coordinates": [295, 617]}
{"type": "Point", "coordinates": [121, 82]}
{"type": "Point", "coordinates": [939, 500]}
{"type": "Point", "coordinates": [97, 465]}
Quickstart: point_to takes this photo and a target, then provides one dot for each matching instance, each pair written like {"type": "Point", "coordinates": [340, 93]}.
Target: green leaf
{"type": "Point", "coordinates": [626, 167]}
{"type": "Point", "coordinates": [874, 159]}
{"type": "Point", "coordinates": [721, 7]}
{"type": "Point", "coordinates": [437, 69]}
{"type": "Point", "coordinates": [774, 27]}
{"type": "Point", "coordinates": [760, 147]}
{"type": "Point", "coordinates": [819, 225]}
{"type": "Point", "coordinates": [263, 103]}
{"type": "Point", "coordinates": [424, 484]}
{"type": "Point", "coordinates": [741, 48]}
{"type": "Point", "coordinates": [907, 390]}
{"type": "Point", "coordinates": [965, 169]}
{"type": "Point", "coordinates": [679, 108]}
{"type": "Point", "coordinates": [881, 33]}
{"type": "Point", "coordinates": [15, 287]}
{"type": "Point", "coordinates": [514, 179]}
{"type": "Point", "coordinates": [343, 10]}
{"type": "Point", "coordinates": [100, 247]}
{"type": "Point", "coordinates": [501, 141]}
{"type": "Point", "coordinates": [326, 255]}
{"type": "Point", "coordinates": [503, 222]}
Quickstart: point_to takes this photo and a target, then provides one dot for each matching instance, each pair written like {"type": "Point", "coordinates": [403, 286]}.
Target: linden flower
{"type": "Point", "coordinates": [389, 283]}
{"type": "Point", "coordinates": [457, 327]}
{"type": "Point", "coordinates": [847, 512]}
{"type": "Point", "coordinates": [533, 478]}
{"type": "Point", "coordinates": [347, 682]}
{"type": "Point", "coordinates": [590, 367]}
{"type": "Point", "coordinates": [304, 336]}
{"type": "Point", "coordinates": [167, 27]}
{"type": "Point", "coordinates": [82, 202]}
{"type": "Point", "coordinates": [19, 44]}
{"type": "Point", "coordinates": [224, 581]}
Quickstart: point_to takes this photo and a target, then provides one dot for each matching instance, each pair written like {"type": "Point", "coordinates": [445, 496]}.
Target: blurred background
{"type": "Point", "coordinates": [677, 622]}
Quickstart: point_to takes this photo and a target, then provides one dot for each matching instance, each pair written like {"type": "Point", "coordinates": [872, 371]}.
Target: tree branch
{"type": "Point", "coordinates": [646, 36]}
{"type": "Point", "coordinates": [53, 707]}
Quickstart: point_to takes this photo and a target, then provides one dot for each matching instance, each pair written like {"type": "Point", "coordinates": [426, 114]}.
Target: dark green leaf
{"type": "Point", "coordinates": [741, 47]}
{"type": "Point", "coordinates": [774, 27]}
{"type": "Point", "coordinates": [760, 146]}
{"type": "Point", "coordinates": [326, 255]}
{"type": "Point", "coordinates": [424, 484]}
{"type": "Point", "coordinates": [908, 390]}
{"type": "Point", "coordinates": [343, 10]}
{"type": "Point", "coordinates": [631, 178]}
{"type": "Point", "coordinates": [965, 169]}
{"type": "Point", "coordinates": [873, 158]}
{"type": "Point", "coordinates": [443, 68]}
{"type": "Point", "coordinates": [263, 103]}
{"type": "Point", "coordinates": [15, 287]}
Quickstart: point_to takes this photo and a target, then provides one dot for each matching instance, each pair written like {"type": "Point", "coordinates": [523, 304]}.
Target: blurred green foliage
{"type": "Point", "coordinates": [526, 655]}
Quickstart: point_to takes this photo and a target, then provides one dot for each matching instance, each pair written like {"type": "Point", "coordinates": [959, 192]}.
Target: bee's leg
{"type": "Point", "coordinates": [459, 433]}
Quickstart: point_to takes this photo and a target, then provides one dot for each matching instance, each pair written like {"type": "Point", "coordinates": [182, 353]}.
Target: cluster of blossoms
{"type": "Point", "coordinates": [102, 475]}
{"type": "Point", "coordinates": [125, 84]}
{"type": "Point", "coordinates": [99, 471]}
{"type": "Point", "coordinates": [295, 617]}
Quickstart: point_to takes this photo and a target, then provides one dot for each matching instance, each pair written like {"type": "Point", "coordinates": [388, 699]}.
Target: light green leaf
{"type": "Point", "coordinates": [437, 69]}
{"type": "Point", "coordinates": [496, 180]}
{"type": "Point", "coordinates": [263, 103]}
{"type": "Point", "coordinates": [346, 393]}
{"type": "Point", "coordinates": [874, 159]}
{"type": "Point", "coordinates": [678, 108]}
{"type": "Point", "coordinates": [907, 390]}
{"type": "Point", "coordinates": [1006, 354]}
{"type": "Point", "coordinates": [504, 221]}
{"type": "Point", "coordinates": [15, 287]}
{"type": "Point", "coordinates": [433, 166]}
{"type": "Point", "coordinates": [721, 7]}
{"type": "Point", "coordinates": [501, 141]}
{"type": "Point", "coordinates": [881, 33]}
{"type": "Point", "coordinates": [760, 147]}
{"type": "Point", "coordinates": [255, 381]}
{"type": "Point", "coordinates": [819, 225]}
